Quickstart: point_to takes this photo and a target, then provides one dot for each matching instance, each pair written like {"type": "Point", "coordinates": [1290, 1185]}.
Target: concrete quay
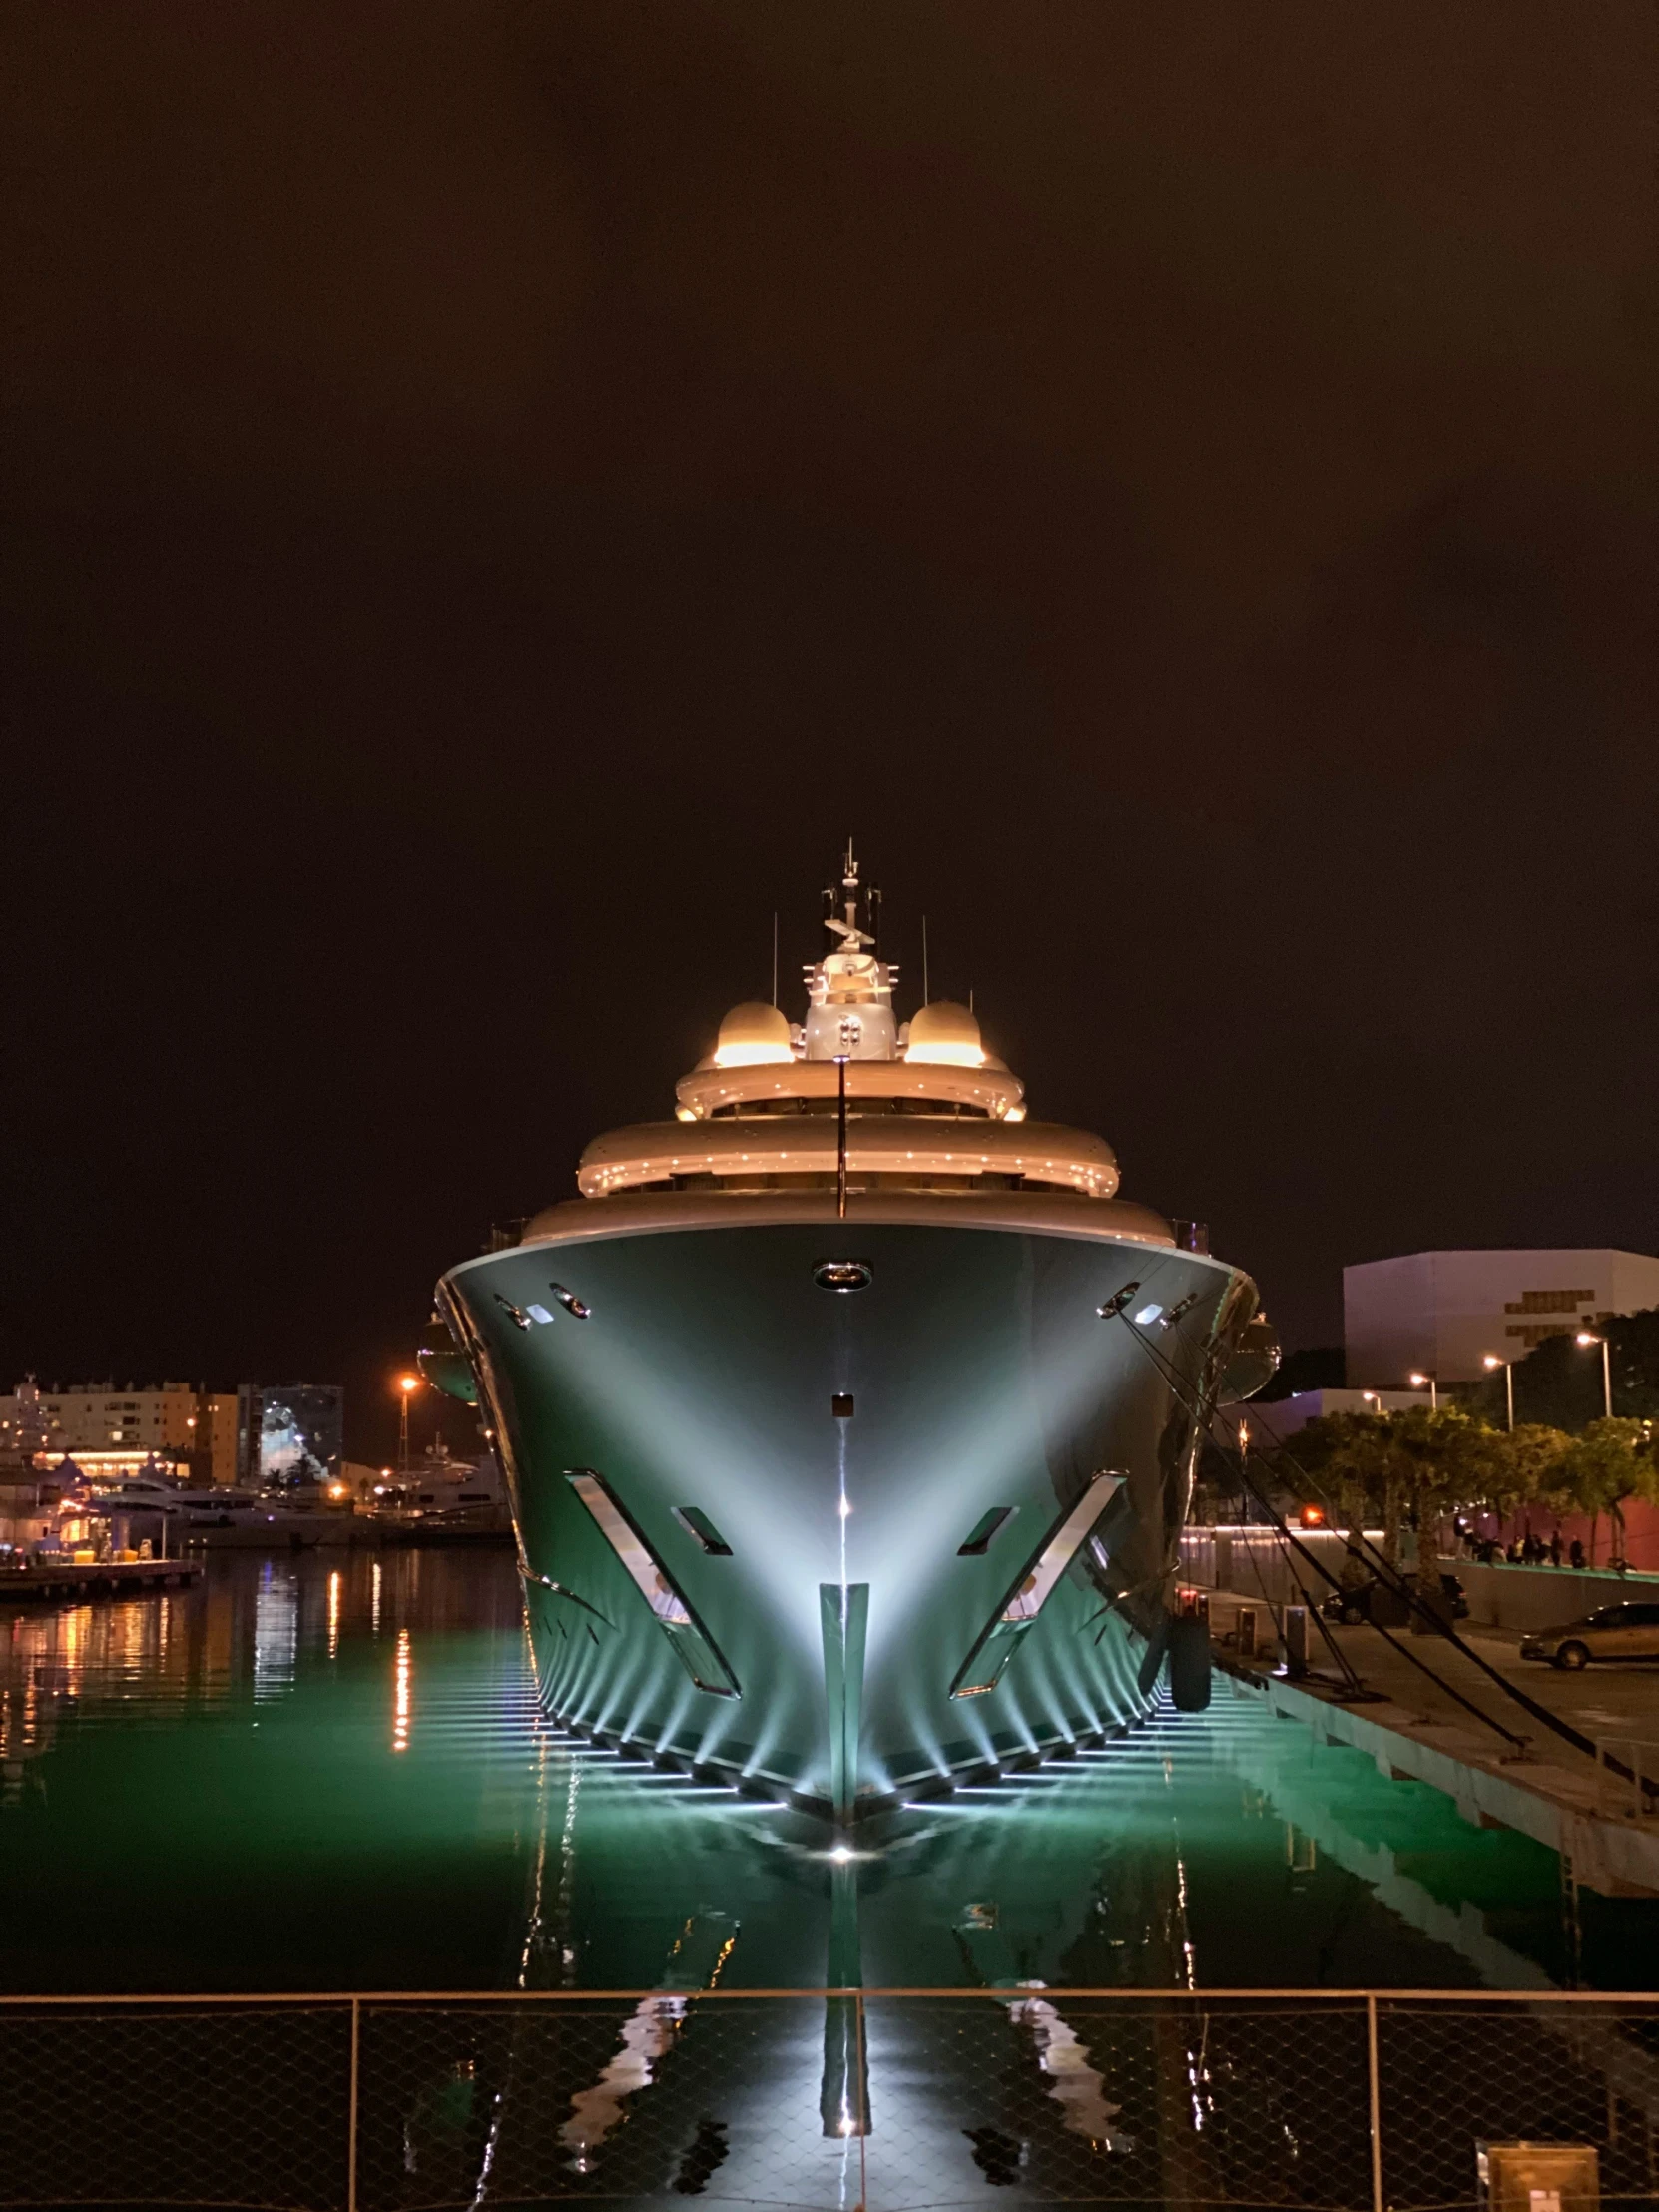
{"type": "Point", "coordinates": [1412, 1728]}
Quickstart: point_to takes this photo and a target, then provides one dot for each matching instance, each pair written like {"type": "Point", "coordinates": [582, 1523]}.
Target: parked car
{"type": "Point", "coordinates": [1352, 1606]}
{"type": "Point", "coordinates": [1629, 1631]}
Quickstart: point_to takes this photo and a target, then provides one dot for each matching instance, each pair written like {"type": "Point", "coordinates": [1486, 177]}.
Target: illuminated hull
{"type": "Point", "coordinates": [713, 1394]}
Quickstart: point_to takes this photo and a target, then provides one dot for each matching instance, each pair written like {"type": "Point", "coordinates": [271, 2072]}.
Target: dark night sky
{"type": "Point", "coordinates": [496, 491]}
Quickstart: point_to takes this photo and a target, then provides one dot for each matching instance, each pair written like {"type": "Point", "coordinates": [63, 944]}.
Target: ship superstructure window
{"type": "Point", "coordinates": [985, 1531]}
{"type": "Point", "coordinates": [694, 1519]}
{"type": "Point", "coordinates": [698, 1653]}
{"type": "Point", "coordinates": [983, 1668]}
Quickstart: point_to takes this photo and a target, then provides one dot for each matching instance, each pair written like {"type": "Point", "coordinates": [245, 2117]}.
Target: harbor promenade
{"type": "Point", "coordinates": [1455, 1728]}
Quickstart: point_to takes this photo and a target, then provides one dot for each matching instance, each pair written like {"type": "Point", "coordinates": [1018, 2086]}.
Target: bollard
{"type": "Point", "coordinates": [1434, 1609]}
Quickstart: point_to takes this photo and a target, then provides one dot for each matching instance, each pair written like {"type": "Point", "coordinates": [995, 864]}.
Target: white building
{"type": "Point", "coordinates": [1445, 1312]}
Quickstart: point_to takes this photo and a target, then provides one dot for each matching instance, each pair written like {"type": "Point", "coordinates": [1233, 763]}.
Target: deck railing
{"type": "Point", "coordinates": [900, 2101]}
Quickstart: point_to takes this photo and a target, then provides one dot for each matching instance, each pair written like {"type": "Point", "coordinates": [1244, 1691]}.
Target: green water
{"type": "Point", "coordinates": [332, 1774]}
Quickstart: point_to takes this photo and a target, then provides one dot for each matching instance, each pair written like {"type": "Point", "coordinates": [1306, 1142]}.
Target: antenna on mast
{"type": "Point", "coordinates": [846, 926]}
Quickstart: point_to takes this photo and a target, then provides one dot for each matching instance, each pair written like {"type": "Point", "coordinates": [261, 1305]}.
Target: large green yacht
{"type": "Point", "coordinates": [849, 1416]}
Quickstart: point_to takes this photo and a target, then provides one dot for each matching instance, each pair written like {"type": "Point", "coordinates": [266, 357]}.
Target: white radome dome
{"type": "Point", "coordinates": [945, 1035]}
{"type": "Point", "coordinates": [753, 1035]}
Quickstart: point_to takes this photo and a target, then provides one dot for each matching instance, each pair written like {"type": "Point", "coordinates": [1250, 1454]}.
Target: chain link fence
{"type": "Point", "coordinates": [898, 2101]}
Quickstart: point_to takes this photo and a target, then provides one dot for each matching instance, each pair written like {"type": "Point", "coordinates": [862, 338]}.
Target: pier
{"type": "Point", "coordinates": [96, 1578]}
{"type": "Point", "coordinates": [1604, 1827]}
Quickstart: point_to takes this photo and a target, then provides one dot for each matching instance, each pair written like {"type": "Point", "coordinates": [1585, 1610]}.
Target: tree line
{"type": "Point", "coordinates": [1421, 1466]}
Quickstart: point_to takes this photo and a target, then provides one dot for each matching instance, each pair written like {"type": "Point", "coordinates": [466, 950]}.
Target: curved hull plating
{"type": "Point", "coordinates": [743, 1499]}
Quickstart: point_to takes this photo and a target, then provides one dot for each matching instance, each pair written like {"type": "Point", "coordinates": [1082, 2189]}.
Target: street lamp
{"type": "Point", "coordinates": [1490, 1361]}
{"type": "Point", "coordinates": [1374, 1399]}
{"type": "Point", "coordinates": [1589, 1336]}
{"type": "Point", "coordinates": [407, 1385]}
{"type": "Point", "coordinates": [1431, 1384]}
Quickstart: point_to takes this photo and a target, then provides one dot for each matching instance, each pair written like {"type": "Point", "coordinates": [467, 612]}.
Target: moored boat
{"type": "Point", "coordinates": [849, 1417]}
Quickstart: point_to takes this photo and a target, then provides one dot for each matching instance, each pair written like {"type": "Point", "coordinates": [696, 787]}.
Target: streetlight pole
{"type": "Point", "coordinates": [407, 1385]}
{"type": "Point", "coordinates": [1589, 1336]}
{"type": "Point", "coordinates": [1492, 1361]}
{"type": "Point", "coordinates": [1430, 1383]}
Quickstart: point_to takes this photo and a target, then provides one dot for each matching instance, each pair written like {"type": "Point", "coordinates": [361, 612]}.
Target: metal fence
{"type": "Point", "coordinates": [896, 2100]}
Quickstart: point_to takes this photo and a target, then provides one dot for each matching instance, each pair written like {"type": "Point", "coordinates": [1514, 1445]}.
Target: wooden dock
{"type": "Point", "coordinates": [96, 1578]}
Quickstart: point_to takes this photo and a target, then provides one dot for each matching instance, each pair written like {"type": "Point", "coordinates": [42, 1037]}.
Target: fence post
{"type": "Point", "coordinates": [1376, 2107]}
{"type": "Point", "coordinates": [352, 2123]}
{"type": "Point", "coordinates": [864, 2103]}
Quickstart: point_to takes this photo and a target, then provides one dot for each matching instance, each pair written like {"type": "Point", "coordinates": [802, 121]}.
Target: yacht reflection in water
{"type": "Point", "coordinates": [1098, 1872]}
{"type": "Point", "coordinates": [356, 1746]}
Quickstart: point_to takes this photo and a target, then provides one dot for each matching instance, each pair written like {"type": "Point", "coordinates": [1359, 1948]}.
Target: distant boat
{"type": "Point", "coordinates": [137, 1493]}
{"type": "Point", "coordinates": [441, 1496]}
{"type": "Point", "coordinates": [153, 1493]}
{"type": "Point", "coordinates": [217, 1507]}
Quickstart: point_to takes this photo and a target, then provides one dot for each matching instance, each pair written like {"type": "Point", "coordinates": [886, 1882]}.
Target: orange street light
{"type": "Point", "coordinates": [1492, 1362]}
{"type": "Point", "coordinates": [407, 1385]}
{"type": "Point", "coordinates": [1431, 1384]}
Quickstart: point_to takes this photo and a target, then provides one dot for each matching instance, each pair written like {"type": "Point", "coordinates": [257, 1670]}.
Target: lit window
{"type": "Point", "coordinates": [694, 1519]}
{"type": "Point", "coordinates": [985, 1531]}
{"type": "Point", "coordinates": [698, 1653]}
{"type": "Point", "coordinates": [984, 1667]}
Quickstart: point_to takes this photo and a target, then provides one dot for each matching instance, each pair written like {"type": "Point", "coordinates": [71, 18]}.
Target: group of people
{"type": "Point", "coordinates": [1525, 1551]}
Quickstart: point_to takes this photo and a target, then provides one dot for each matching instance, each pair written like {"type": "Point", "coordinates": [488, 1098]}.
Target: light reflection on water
{"type": "Point", "coordinates": [330, 1771]}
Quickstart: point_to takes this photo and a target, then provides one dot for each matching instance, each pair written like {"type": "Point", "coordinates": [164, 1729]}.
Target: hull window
{"type": "Point", "coordinates": [696, 1650]}
{"type": "Point", "coordinates": [694, 1519]}
{"type": "Point", "coordinates": [984, 1666]}
{"type": "Point", "coordinates": [986, 1529]}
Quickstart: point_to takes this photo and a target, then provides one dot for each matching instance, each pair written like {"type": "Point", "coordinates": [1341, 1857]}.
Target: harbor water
{"type": "Point", "coordinates": [329, 1772]}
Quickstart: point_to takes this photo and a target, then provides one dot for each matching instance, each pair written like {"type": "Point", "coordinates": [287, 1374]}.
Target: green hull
{"type": "Point", "coordinates": [646, 1386]}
